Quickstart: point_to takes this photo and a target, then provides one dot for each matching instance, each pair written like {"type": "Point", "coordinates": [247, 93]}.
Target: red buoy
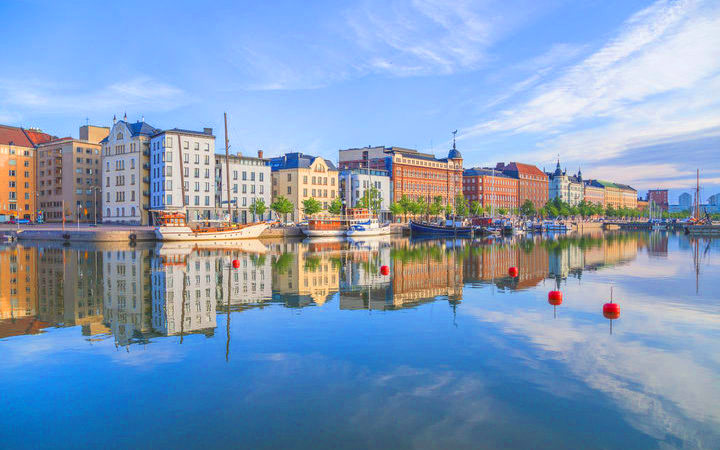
{"type": "Point", "coordinates": [236, 263]}
{"type": "Point", "coordinates": [385, 270]}
{"type": "Point", "coordinates": [513, 272]}
{"type": "Point", "coordinates": [611, 311]}
{"type": "Point", "coordinates": [555, 298]}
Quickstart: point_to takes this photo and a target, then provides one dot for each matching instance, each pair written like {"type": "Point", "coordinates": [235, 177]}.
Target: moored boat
{"type": "Point", "coordinates": [172, 226]}
{"type": "Point", "coordinates": [370, 227]}
{"type": "Point", "coordinates": [452, 229]}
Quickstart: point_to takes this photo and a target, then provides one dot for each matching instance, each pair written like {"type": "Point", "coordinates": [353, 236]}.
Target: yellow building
{"type": "Point", "coordinates": [299, 177]}
{"type": "Point", "coordinates": [305, 274]}
{"type": "Point", "coordinates": [628, 196]}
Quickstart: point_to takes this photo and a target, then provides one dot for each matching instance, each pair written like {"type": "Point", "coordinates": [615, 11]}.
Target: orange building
{"type": "Point", "coordinates": [18, 196]}
{"type": "Point", "coordinates": [533, 183]}
{"type": "Point", "coordinates": [489, 187]}
{"type": "Point", "coordinates": [413, 174]}
{"type": "Point", "coordinates": [18, 286]}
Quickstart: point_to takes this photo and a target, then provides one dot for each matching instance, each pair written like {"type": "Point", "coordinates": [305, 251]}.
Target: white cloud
{"type": "Point", "coordinates": [140, 93]}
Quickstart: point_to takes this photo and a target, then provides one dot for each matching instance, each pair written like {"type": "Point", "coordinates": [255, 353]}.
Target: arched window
{"type": "Point", "coordinates": [108, 212]}
{"type": "Point", "coordinates": [123, 211]}
{"type": "Point", "coordinates": [117, 212]}
{"type": "Point", "coordinates": [132, 211]}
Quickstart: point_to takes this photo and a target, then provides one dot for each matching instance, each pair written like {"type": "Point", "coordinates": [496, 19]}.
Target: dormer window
{"type": "Point", "coordinates": [119, 136]}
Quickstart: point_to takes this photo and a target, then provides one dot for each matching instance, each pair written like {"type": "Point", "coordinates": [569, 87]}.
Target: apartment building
{"type": "Point", "coordinates": [126, 173]}
{"type": "Point", "coordinates": [182, 172]}
{"type": "Point", "coordinates": [18, 196]}
{"type": "Point", "coordinates": [69, 177]}
{"type": "Point", "coordinates": [532, 182]}
{"type": "Point", "coordinates": [298, 177]}
{"type": "Point", "coordinates": [490, 187]}
{"type": "Point", "coordinates": [567, 188]}
{"type": "Point", "coordinates": [354, 183]}
{"type": "Point", "coordinates": [250, 181]}
{"type": "Point", "coordinates": [414, 174]}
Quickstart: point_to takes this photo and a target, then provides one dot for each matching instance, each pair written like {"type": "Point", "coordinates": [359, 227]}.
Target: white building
{"type": "Point", "coordinates": [249, 284]}
{"type": "Point", "coordinates": [250, 181]}
{"type": "Point", "coordinates": [196, 168]}
{"type": "Point", "coordinates": [125, 185]}
{"type": "Point", "coordinates": [568, 188]}
{"type": "Point", "coordinates": [355, 182]}
{"type": "Point", "coordinates": [184, 297]}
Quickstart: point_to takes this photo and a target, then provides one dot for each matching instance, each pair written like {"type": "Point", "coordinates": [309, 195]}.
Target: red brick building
{"type": "Point", "coordinates": [490, 187]}
{"type": "Point", "coordinates": [533, 183]}
{"type": "Point", "coordinates": [659, 197]}
{"type": "Point", "coordinates": [412, 173]}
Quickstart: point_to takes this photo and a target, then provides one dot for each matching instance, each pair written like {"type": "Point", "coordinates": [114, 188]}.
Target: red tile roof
{"type": "Point", "coordinates": [527, 169]}
{"type": "Point", "coordinates": [38, 137]}
{"type": "Point", "coordinates": [14, 136]}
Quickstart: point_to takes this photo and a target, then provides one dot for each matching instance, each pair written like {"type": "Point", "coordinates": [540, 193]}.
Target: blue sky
{"type": "Point", "coordinates": [627, 90]}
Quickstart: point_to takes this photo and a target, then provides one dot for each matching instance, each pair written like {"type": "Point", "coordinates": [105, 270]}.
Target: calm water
{"type": "Point", "coordinates": [310, 345]}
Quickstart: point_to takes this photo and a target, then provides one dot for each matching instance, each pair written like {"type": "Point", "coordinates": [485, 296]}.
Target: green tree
{"type": "Point", "coordinates": [502, 211]}
{"type": "Point", "coordinates": [282, 263]}
{"type": "Point", "coordinates": [405, 204]}
{"type": "Point", "coordinates": [335, 206]}
{"type": "Point", "coordinates": [460, 205]}
{"type": "Point", "coordinates": [436, 207]}
{"type": "Point", "coordinates": [258, 207]}
{"type": "Point", "coordinates": [283, 206]}
{"type": "Point", "coordinates": [397, 209]}
{"type": "Point", "coordinates": [475, 208]}
{"type": "Point", "coordinates": [371, 200]}
{"type": "Point", "coordinates": [528, 208]}
{"type": "Point", "coordinates": [311, 206]}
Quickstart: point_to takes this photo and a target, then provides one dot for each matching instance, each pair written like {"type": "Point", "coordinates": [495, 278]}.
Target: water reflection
{"type": "Point", "coordinates": [320, 322]}
{"type": "Point", "coordinates": [133, 293]}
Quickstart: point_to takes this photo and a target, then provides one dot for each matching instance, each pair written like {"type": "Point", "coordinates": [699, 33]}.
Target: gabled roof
{"type": "Point", "coordinates": [525, 169]}
{"type": "Point", "coordinates": [143, 128]}
{"type": "Point", "coordinates": [38, 137]}
{"type": "Point", "coordinates": [14, 136]}
{"type": "Point", "coordinates": [296, 161]}
{"type": "Point", "coordinates": [182, 131]}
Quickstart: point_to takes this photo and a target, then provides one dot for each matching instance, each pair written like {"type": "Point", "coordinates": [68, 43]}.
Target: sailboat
{"type": "Point", "coordinates": [698, 225]}
{"type": "Point", "coordinates": [173, 225]}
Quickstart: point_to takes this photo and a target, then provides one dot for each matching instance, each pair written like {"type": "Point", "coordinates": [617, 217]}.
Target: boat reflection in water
{"type": "Point", "coordinates": [431, 330]}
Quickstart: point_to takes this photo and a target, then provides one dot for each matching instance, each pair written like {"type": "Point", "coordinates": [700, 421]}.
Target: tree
{"type": "Point", "coordinates": [397, 209]}
{"type": "Point", "coordinates": [421, 206]}
{"type": "Point", "coordinates": [371, 200]}
{"type": "Point", "coordinates": [527, 208]}
{"type": "Point", "coordinates": [475, 208]}
{"type": "Point", "coordinates": [405, 204]}
{"type": "Point", "coordinates": [283, 206]}
{"type": "Point", "coordinates": [335, 206]}
{"type": "Point", "coordinates": [460, 205]}
{"type": "Point", "coordinates": [311, 206]}
{"type": "Point", "coordinates": [436, 207]}
{"type": "Point", "coordinates": [258, 207]}
{"type": "Point", "coordinates": [502, 211]}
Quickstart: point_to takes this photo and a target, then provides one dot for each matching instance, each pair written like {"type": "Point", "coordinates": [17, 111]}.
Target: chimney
{"type": "Point", "coordinates": [207, 131]}
{"type": "Point", "coordinates": [260, 154]}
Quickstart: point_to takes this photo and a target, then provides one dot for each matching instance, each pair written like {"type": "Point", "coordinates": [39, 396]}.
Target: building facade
{"type": "Point", "coordinates": [594, 192]}
{"type": "Point", "coordinates": [250, 181]}
{"type": "Point", "coordinates": [18, 194]}
{"type": "Point", "coordinates": [413, 174]}
{"type": "Point", "coordinates": [628, 196]}
{"type": "Point", "coordinates": [299, 177]}
{"type": "Point", "coordinates": [659, 197]}
{"type": "Point", "coordinates": [685, 201]}
{"type": "Point", "coordinates": [533, 184]}
{"type": "Point", "coordinates": [182, 172]}
{"type": "Point", "coordinates": [126, 173]}
{"type": "Point", "coordinates": [69, 180]}
{"type": "Point", "coordinates": [354, 183]}
{"type": "Point", "coordinates": [567, 188]}
{"type": "Point", "coordinates": [490, 188]}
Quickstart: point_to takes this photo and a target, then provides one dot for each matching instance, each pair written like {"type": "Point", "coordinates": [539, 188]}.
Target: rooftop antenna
{"type": "Point", "coordinates": [454, 133]}
{"type": "Point", "coordinates": [87, 121]}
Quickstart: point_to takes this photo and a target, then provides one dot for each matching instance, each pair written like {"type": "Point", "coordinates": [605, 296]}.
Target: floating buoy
{"type": "Point", "coordinates": [611, 310]}
{"type": "Point", "coordinates": [513, 272]}
{"type": "Point", "coordinates": [236, 263]}
{"type": "Point", "coordinates": [384, 270]}
{"type": "Point", "coordinates": [555, 298]}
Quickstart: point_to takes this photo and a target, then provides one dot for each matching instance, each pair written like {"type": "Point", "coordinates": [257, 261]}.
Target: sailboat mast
{"type": "Point", "coordinates": [227, 168]}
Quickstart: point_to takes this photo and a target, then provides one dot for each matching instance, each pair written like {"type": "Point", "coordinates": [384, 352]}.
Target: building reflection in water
{"type": "Point", "coordinates": [135, 294]}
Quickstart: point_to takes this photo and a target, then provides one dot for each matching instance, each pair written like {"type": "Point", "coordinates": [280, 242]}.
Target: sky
{"type": "Point", "coordinates": [628, 91]}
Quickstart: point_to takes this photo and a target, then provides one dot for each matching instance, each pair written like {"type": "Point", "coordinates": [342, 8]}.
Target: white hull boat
{"type": "Point", "coordinates": [323, 233]}
{"type": "Point", "coordinates": [185, 233]}
{"type": "Point", "coordinates": [371, 228]}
